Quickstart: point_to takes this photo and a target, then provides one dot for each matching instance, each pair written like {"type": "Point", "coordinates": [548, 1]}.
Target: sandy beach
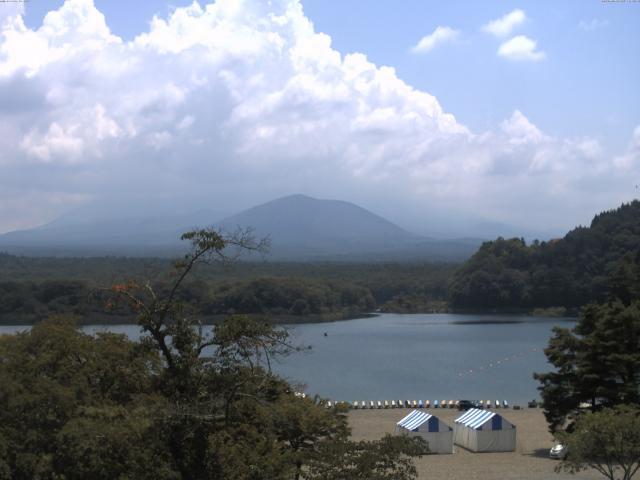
{"type": "Point", "coordinates": [530, 461]}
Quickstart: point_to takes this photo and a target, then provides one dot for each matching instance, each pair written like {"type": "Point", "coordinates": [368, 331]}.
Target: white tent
{"type": "Point", "coordinates": [484, 431]}
{"type": "Point", "coordinates": [438, 434]}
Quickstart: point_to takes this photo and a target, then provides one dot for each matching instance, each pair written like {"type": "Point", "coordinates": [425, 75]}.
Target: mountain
{"type": "Point", "coordinates": [587, 264]}
{"type": "Point", "coordinates": [306, 228]}
{"type": "Point", "coordinates": [299, 223]}
{"type": "Point", "coordinates": [83, 234]}
{"type": "Point", "coordinates": [299, 227]}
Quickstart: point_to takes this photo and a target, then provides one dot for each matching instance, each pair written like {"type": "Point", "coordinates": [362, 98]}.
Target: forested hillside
{"type": "Point", "coordinates": [582, 267]}
{"type": "Point", "coordinates": [31, 288]}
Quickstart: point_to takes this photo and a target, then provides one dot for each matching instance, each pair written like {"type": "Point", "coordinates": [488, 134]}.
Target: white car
{"type": "Point", "coordinates": [559, 451]}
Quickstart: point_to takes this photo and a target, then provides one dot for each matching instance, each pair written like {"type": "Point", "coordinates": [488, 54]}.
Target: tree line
{"type": "Point", "coordinates": [285, 292]}
{"type": "Point", "coordinates": [568, 272]}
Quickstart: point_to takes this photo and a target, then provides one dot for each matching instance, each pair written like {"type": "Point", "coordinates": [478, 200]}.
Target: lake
{"type": "Point", "coordinates": [422, 356]}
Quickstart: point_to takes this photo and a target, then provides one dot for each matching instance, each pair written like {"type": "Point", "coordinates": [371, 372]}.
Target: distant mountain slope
{"type": "Point", "coordinates": [300, 228]}
{"type": "Point", "coordinates": [83, 235]}
{"type": "Point", "coordinates": [569, 272]}
{"type": "Point", "coordinates": [302, 223]}
{"type": "Point", "coordinates": [306, 228]}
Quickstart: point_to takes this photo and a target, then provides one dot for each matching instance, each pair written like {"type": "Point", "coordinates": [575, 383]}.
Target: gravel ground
{"type": "Point", "coordinates": [530, 461]}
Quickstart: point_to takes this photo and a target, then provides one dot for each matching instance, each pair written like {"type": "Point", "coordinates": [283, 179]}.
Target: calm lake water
{"type": "Point", "coordinates": [435, 356]}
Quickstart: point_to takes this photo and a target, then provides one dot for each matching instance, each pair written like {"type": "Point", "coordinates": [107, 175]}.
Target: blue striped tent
{"type": "Point", "coordinates": [438, 434]}
{"type": "Point", "coordinates": [484, 431]}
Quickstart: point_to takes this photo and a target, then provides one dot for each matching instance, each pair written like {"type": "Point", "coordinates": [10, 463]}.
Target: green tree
{"type": "Point", "coordinates": [77, 405]}
{"type": "Point", "coordinates": [607, 441]}
{"type": "Point", "coordinates": [305, 425]}
{"type": "Point", "coordinates": [597, 362]}
{"type": "Point", "coordinates": [389, 458]}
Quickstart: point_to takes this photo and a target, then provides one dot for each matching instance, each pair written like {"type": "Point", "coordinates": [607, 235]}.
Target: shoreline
{"type": "Point", "coordinates": [206, 320]}
{"type": "Point", "coordinates": [286, 319]}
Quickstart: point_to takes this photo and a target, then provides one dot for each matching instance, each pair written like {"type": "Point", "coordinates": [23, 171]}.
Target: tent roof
{"type": "Point", "coordinates": [414, 420]}
{"type": "Point", "coordinates": [475, 418]}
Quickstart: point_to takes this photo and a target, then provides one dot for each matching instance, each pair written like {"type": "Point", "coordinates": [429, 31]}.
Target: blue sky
{"type": "Point", "coordinates": [524, 113]}
{"type": "Point", "coordinates": [587, 85]}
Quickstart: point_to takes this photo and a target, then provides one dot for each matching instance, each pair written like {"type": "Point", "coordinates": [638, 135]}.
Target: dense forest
{"type": "Point", "coordinates": [569, 272]}
{"type": "Point", "coordinates": [33, 287]}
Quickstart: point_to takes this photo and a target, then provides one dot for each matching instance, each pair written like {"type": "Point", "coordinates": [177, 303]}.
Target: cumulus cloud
{"type": "Point", "coordinates": [438, 36]}
{"type": "Point", "coordinates": [520, 130]}
{"type": "Point", "coordinates": [238, 102]}
{"type": "Point", "coordinates": [503, 26]}
{"type": "Point", "coordinates": [521, 48]}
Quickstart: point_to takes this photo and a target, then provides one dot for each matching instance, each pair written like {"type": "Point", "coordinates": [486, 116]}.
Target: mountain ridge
{"type": "Point", "coordinates": [300, 228]}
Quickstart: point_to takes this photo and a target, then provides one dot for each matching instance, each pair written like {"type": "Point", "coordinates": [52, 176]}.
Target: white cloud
{"type": "Point", "coordinates": [630, 160]}
{"type": "Point", "coordinates": [10, 11]}
{"type": "Point", "coordinates": [503, 26]}
{"type": "Point", "coordinates": [185, 123]}
{"type": "Point", "coordinates": [520, 130]}
{"type": "Point", "coordinates": [79, 136]}
{"type": "Point", "coordinates": [242, 101]}
{"type": "Point", "coordinates": [159, 140]}
{"type": "Point", "coordinates": [438, 36]}
{"type": "Point", "coordinates": [521, 48]}
{"type": "Point", "coordinates": [57, 141]}
{"type": "Point", "coordinates": [593, 24]}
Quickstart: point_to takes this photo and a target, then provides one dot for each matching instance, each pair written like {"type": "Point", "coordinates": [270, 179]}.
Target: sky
{"type": "Point", "coordinates": [437, 115]}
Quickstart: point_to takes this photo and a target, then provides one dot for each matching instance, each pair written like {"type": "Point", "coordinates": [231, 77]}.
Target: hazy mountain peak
{"type": "Point", "coordinates": [299, 226]}
{"type": "Point", "coordinates": [297, 218]}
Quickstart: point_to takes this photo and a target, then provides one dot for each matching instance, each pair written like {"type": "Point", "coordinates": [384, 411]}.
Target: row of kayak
{"type": "Point", "coordinates": [459, 404]}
